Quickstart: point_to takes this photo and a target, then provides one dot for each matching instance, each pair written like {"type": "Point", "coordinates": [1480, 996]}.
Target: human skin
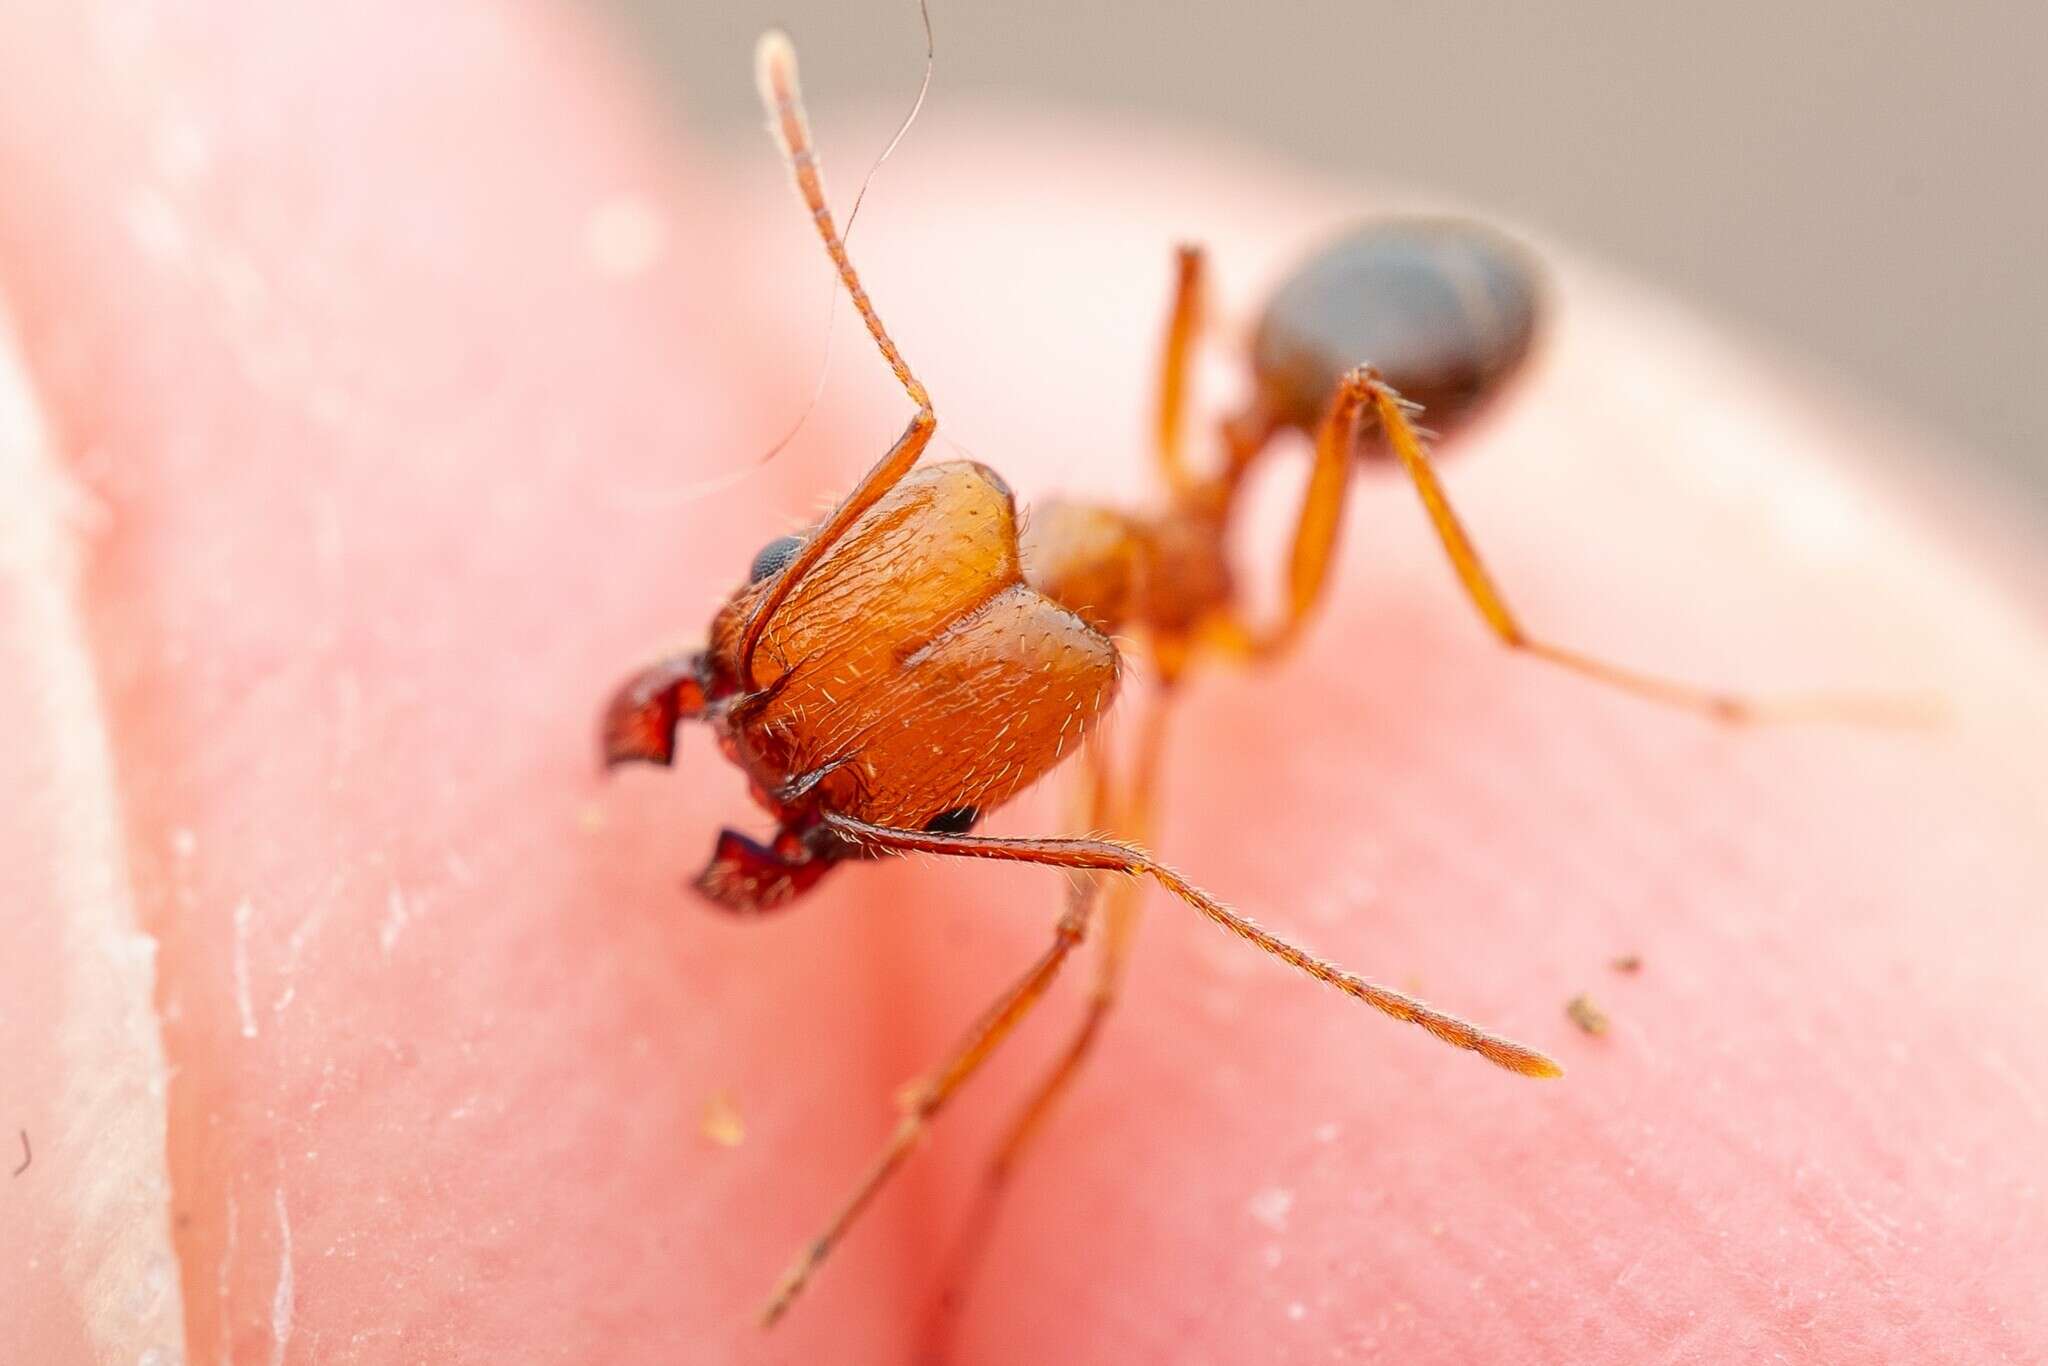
{"type": "Point", "coordinates": [359, 370]}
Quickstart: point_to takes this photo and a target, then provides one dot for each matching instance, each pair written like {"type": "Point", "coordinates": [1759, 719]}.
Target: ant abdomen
{"type": "Point", "coordinates": [1445, 309]}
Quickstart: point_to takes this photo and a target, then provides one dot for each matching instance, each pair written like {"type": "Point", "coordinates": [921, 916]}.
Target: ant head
{"type": "Point", "coordinates": [772, 557]}
{"type": "Point", "coordinates": [910, 670]}
{"type": "Point", "coordinates": [641, 719]}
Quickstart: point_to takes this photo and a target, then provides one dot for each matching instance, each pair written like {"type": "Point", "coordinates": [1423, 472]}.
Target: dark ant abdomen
{"type": "Point", "coordinates": [1443, 308]}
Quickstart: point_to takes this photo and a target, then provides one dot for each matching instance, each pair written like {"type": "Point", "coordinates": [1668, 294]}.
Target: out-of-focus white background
{"type": "Point", "coordinates": [1856, 181]}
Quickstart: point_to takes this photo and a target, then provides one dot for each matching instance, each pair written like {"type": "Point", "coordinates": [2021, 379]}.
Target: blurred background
{"type": "Point", "coordinates": [1857, 182]}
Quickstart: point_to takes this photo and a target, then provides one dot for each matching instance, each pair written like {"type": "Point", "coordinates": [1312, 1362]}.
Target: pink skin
{"type": "Point", "coordinates": [350, 511]}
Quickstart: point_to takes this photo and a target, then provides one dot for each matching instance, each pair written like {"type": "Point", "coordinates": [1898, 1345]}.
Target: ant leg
{"type": "Point", "coordinates": [1316, 528]}
{"type": "Point", "coordinates": [931, 1093]}
{"type": "Point", "coordinates": [963, 1262]}
{"type": "Point", "coordinates": [775, 77]}
{"type": "Point", "coordinates": [1116, 857]}
{"type": "Point", "coordinates": [1182, 325]}
{"type": "Point", "coordinates": [1101, 810]}
{"type": "Point", "coordinates": [1393, 412]}
{"type": "Point", "coordinates": [1129, 819]}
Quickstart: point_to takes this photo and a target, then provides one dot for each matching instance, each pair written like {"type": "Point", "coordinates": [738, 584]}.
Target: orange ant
{"type": "Point", "coordinates": [910, 663]}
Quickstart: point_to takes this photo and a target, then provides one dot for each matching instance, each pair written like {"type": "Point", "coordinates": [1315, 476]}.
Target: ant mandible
{"type": "Point", "coordinates": [910, 663]}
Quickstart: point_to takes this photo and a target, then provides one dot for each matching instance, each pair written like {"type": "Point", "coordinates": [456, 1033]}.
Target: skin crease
{"type": "Point", "coordinates": [375, 412]}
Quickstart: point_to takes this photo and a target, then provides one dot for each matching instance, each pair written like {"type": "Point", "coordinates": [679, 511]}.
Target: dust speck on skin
{"type": "Point", "coordinates": [1327, 1133]}
{"type": "Point", "coordinates": [1586, 1015]}
{"type": "Point", "coordinates": [184, 843]}
{"type": "Point", "coordinates": [624, 237]}
{"type": "Point", "coordinates": [1297, 1311]}
{"type": "Point", "coordinates": [244, 912]}
{"type": "Point", "coordinates": [722, 1123]}
{"type": "Point", "coordinates": [1271, 1207]}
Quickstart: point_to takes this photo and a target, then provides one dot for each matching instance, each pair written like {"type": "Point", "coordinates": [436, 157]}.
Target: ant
{"type": "Point", "coordinates": [912, 661]}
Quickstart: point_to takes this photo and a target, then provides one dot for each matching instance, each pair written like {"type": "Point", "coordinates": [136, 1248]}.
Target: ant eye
{"type": "Point", "coordinates": [958, 821]}
{"type": "Point", "coordinates": [773, 556]}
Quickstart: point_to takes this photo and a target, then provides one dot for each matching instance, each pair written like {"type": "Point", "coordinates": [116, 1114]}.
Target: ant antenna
{"type": "Point", "coordinates": [775, 75]}
{"type": "Point", "coordinates": [860, 197]}
{"type": "Point", "coordinates": [924, 12]}
{"type": "Point", "coordinates": [718, 483]}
